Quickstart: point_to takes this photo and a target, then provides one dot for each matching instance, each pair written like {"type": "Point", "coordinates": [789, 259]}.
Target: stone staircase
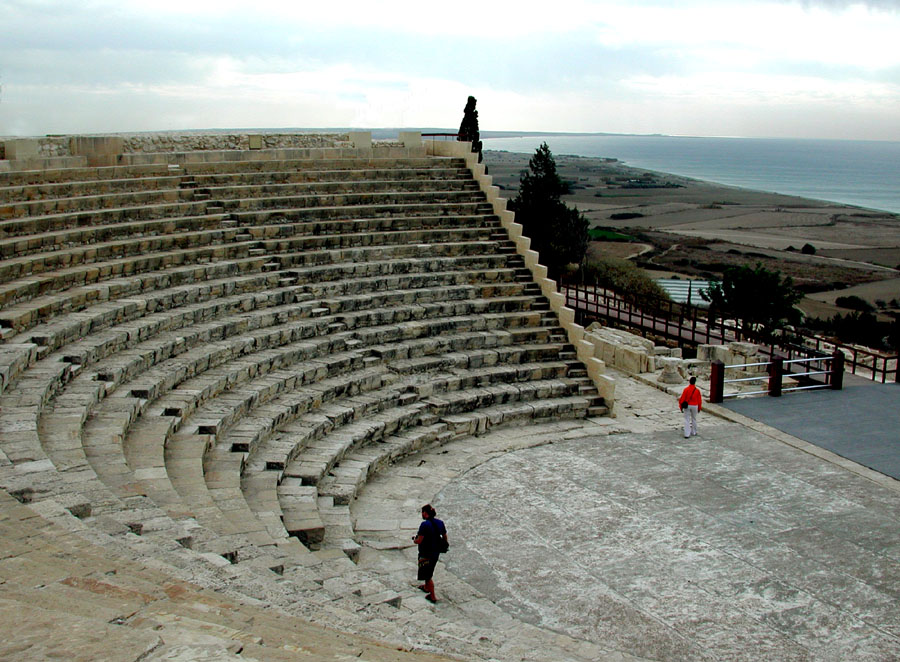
{"type": "Point", "coordinates": [202, 366]}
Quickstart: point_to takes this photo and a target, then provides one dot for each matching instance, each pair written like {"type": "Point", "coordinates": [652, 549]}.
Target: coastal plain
{"type": "Point", "coordinates": [694, 228]}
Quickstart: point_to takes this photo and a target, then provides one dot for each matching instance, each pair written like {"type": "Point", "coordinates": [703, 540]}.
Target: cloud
{"type": "Point", "coordinates": [586, 65]}
{"type": "Point", "coordinates": [881, 5]}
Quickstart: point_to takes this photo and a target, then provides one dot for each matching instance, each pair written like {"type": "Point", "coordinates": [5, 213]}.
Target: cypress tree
{"type": "Point", "coordinates": [559, 233]}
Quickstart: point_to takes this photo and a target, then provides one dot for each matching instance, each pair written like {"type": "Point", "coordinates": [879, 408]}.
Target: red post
{"type": "Point", "coordinates": [776, 370]}
{"type": "Point", "coordinates": [837, 370]}
{"type": "Point", "coordinates": [717, 382]}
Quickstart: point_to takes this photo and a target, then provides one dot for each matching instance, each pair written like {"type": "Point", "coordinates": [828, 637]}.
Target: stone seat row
{"type": "Point", "coordinates": [137, 361]}
{"type": "Point", "coordinates": [103, 345]}
{"type": "Point", "coordinates": [319, 205]}
{"type": "Point", "coordinates": [23, 186]}
{"type": "Point", "coordinates": [149, 171]}
{"type": "Point", "coordinates": [30, 287]}
{"type": "Point", "coordinates": [79, 355]}
{"type": "Point", "coordinates": [338, 461]}
{"type": "Point", "coordinates": [317, 443]}
{"type": "Point", "coordinates": [160, 297]}
{"type": "Point", "coordinates": [225, 399]}
{"type": "Point", "coordinates": [53, 375]}
{"type": "Point", "coordinates": [21, 317]}
{"type": "Point", "coordinates": [445, 170]}
{"type": "Point", "coordinates": [157, 179]}
{"type": "Point", "coordinates": [178, 201]}
{"type": "Point", "coordinates": [272, 225]}
{"type": "Point", "coordinates": [41, 263]}
{"type": "Point", "coordinates": [128, 414]}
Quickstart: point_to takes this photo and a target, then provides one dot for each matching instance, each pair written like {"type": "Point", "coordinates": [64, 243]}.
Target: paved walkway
{"type": "Point", "coordinates": [622, 540]}
{"type": "Point", "coordinates": [860, 422]}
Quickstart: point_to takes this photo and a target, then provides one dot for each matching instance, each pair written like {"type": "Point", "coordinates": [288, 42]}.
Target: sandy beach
{"type": "Point", "coordinates": [694, 228]}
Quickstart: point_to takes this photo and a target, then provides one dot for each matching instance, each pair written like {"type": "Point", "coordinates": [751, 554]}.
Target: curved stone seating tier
{"type": "Point", "coordinates": [37, 201]}
{"type": "Point", "coordinates": [47, 198]}
{"type": "Point", "coordinates": [434, 170]}
{"type": "Point", "coordinates": [37, 305]}
{"type": "Point", "coordinates": [28, 218]}
{"type": "Point", "coordinates": [205, 301]}
{"type": "Point", "coordinates": [43, 273]}
{"type": "Point", "coordinates": [13, 181]}
{"type": "Point", "coordinates": [205, 227]}
{"type": "Point", "coordinates": [55, 374]}
{"type": "Point", "coordinates": [310, 244]}
{"type": "Point", "coordinates": [33, 184]}
{"type": "Point", "coordinates": [152, 179]}
{"type": "Point", "coordinates": [202, 363]}
{"type": "Point", "coordinates": [269, 386]}
{"type": "Point", "coordinates": [206, 355]}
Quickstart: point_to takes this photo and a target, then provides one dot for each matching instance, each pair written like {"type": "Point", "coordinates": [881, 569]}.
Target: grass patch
{"type": "Point", "coordinates": [607, 234]}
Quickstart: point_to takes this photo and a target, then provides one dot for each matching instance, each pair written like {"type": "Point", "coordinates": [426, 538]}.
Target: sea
{"type": "Point", "coordinates": [862, 173]}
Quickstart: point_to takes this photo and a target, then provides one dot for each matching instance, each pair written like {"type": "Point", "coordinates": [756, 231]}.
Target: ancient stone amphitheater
{"type": "Point", "coordinates": [209, 347]}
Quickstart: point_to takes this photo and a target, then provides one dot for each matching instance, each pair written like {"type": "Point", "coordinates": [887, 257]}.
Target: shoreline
{"type": "Point", "coordinates": [615, 162]}
{"type": "Point", "coordinates": [854, 173]}
{"type": "Point", "coordinates": [708, 226]}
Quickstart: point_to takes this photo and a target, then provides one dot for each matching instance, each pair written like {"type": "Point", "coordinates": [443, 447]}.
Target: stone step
{"type": "Point", "coordinates": [149, 611]}
{"type": "Point", "coordinates": [465, 255]}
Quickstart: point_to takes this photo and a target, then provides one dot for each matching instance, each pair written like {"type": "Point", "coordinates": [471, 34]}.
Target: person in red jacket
{"type": "Point", "coordinates": [690, 403]}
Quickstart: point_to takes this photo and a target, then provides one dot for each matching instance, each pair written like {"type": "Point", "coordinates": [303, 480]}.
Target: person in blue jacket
{"type": "Point", "coordinates": [432, 540]}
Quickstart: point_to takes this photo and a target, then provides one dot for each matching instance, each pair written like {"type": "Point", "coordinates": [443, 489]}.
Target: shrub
{"type": "Point", "coordinates": [624, 277]}
{"type": "Point", "coordinates": [626, 215]}
{"type": "Point", "coordinates": [808, 249]}
{"type": "Point", "coordinates": [854, 303]}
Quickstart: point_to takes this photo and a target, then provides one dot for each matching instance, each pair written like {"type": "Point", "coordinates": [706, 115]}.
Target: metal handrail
{"type": "Point", "coordinates": [744, 379]}
{"type": "Point", "coordinates": [441, 135]}
{"type": "Point", "coordinates": [815, 358]}
{"type": "Point", "coordinates": [750, 365]}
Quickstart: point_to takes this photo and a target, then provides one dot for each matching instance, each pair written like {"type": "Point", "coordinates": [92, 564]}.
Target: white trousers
{"type": "Point", "coordinates": [690, 420]}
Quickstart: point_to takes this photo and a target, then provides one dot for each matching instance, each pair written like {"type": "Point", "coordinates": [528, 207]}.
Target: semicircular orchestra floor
{"type": "Point", "coordinates": [631, 540]}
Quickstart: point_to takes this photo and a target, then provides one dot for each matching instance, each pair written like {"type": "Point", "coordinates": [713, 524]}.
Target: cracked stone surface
{"type": "Point", "coordinates": [622, 534]}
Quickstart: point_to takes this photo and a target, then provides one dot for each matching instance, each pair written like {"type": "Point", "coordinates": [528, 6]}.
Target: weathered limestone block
{"type": "Point", "coordinates": [671, 370]}
{"type": "Point", "coordinates": [629, 360]}
{"type": "Point", "coordinates": [410, 138]}
{"type": "Point", "coordinates": [743, 348]}
{"type": "Point", "coordinates": [662, 350]}
{"type": "Point", "coordinates": [606, 387]}
{"type": "Point", "coordinates": [712, 353]}
{"type": "Point", "coordinates": [99, 150]}
{"type": "Point", "coordinates": [21, 148]}
{"type": "Point", "coordinates": [361, 139]}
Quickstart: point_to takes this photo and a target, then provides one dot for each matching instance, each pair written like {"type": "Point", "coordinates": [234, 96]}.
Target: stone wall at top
{"type": "Point", "coordinates": [189, 142]}
{"type": "Point", "coordinates": [61, 146]}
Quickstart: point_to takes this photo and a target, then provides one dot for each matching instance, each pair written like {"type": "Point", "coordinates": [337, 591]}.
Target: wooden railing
{"type": "Point", "coordinates": [690, 325]}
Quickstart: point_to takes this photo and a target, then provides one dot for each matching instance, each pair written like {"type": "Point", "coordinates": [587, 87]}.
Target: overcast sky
{"type": "Point", "coordinates": [788, 68]}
